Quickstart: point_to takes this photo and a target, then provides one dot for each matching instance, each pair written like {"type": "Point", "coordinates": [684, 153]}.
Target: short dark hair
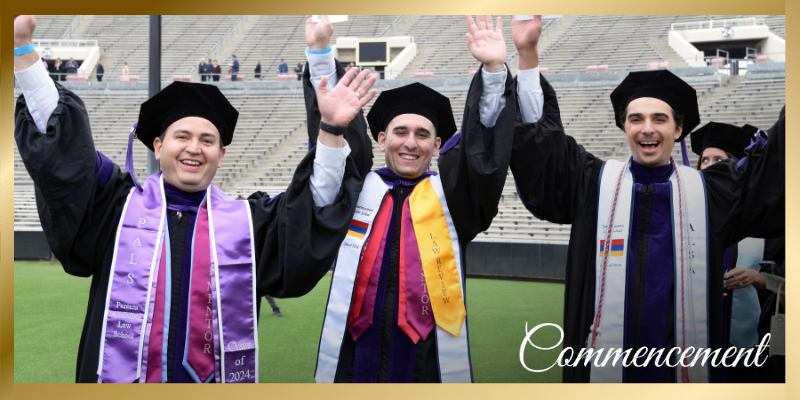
{"type": "Point", "coordinates": [678, 117]}
{"type": "Point", "coordinates": [164, 134]}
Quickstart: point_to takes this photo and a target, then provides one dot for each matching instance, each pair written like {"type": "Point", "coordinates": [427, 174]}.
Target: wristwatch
{"type": "Point", "coordinates": [333, 129]}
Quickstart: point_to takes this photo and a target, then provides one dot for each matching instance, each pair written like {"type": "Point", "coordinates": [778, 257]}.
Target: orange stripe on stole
{"type": "Point", "coordinates": [367, 262]}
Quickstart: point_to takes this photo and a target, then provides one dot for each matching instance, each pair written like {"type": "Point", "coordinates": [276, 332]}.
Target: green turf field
{"type": "Point", "coordinates": [49, 308]}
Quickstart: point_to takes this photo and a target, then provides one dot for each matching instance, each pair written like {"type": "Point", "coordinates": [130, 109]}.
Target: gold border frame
{"type": "Point", "coordinates": [612, 391]}
{"type": "Point", "coordinates": [372, 64]}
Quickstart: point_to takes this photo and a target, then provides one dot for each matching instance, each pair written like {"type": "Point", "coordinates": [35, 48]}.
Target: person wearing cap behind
{"type": "Point", "coordinates": [744, 284]}
{"type": "Point", "coordinates": [716, 142]}
{"type": "Point", "coordinates": [644, 266]}
{"type": "Point", "coordinates": [395, 310]}
{"type": "Point", "coordinates": [178, 268]}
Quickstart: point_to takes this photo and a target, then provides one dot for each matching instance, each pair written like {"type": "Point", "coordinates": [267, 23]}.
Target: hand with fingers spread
{"type": "Point", "coordinates": [526, 40]}
{"type": "Point", "coordinates": [318, 34]}
{"type": "Point", "coordinates": [486, 43]}
{"type": "Point", "coordinates": [340, 105]}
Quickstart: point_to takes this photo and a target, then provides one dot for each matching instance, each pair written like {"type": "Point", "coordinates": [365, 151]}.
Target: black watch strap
{"type": "Point", "coordinates": [333, 129]}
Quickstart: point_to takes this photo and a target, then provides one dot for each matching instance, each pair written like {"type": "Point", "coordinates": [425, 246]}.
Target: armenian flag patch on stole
{"type": "Point", "coordinates": [617, 247]}
{"type": "Point", "coordinates": [358, 229]}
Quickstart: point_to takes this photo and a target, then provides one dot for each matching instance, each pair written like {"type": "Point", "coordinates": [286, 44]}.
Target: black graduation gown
{"type": "Point", "coordinates": [473, 172]}
{"type": "Point", "coordinates": [296, 242]}
{"type": "Point", "coordinates": [558, 179]}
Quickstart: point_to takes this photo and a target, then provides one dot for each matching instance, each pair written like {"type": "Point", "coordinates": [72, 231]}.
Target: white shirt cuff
{"type": "Point", "coordinates": [322, 65]}
{"type": "Point", "coordinates": [494, 82]}
{"type": "Point", "coordinates": [41, 95]}
{"type": "Point", "coordinates": [530, 95]}
{"type": "Point", "coordinates": [33, 77]}
{"type": "Point", "coordinates": [528, 80]}
{"type": "Point", "coordinates": [328, 173]}
{"type": "Point", "coordinates": [330, 157]}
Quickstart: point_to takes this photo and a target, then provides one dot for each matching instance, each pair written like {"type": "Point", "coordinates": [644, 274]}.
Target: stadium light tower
{"type": "Point", "coordinates": [154, 81]}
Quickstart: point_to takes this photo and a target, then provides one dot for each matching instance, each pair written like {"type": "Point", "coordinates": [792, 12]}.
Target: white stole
{"type": "Point", "coordinates": [453, 352]}
{"type": "Point", "coordinates": [610, 336]}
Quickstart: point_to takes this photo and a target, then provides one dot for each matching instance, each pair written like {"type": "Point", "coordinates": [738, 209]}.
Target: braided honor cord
{"type": "Point", "coordinates": [606, 250]}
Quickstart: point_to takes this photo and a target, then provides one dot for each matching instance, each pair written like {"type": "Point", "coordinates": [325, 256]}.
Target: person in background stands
{"type": "Point", "coordinates": [100, 71]}
{"type": "Point", "coordinates": [216, 69]}
{"type": "Point", "coordinates": [72, 66]}
{"type": "Point", "coordinates": [234, 68]}
{"type": "Point", "coordinates": [58, 70]}
{"type": "Point", "coordinates": [125, 69]}
{"type": "Point", "coordinates": [298, 69]}
{"type": "Point", "coordinates": [283, 68]}
{"type": "Point", "coordinates": [202, 69]}
{"type": "Point", "coordinates": [257, 75]}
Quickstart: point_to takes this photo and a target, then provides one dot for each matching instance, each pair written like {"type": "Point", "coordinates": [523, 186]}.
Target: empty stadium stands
{"type": "Point", "coordinates": [271, 134]}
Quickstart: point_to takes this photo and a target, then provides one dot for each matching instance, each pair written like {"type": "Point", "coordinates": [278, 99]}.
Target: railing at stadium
{"type": "Point", "coordinates": [725, 67]}
{"type": "Point", "coordinates": [580, 68]}
{"type": "Point", "coordinates": [72, 26]}
{"type": "Point", "coordinates": [390, 30]}
{"type": "Point", "coordinates": [64, 42]}
{"type": "Point", "coordinates": [716, 23]}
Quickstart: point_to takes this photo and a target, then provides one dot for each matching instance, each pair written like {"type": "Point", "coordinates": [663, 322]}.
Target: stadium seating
{"type": "Point", "coordinates": [271, 132]}
{"type": "Point", "coordinates": [184, 40]}
{"type": "Point", "coordinates": [52, 26]}
{"type": "Point", "coordinates": [776, 24]}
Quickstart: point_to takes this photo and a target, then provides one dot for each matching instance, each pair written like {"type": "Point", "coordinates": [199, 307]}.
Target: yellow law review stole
{"type": "Point", "coordinates": [438, 258]}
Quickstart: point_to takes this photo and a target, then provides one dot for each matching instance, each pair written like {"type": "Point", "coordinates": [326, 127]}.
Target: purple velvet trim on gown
{"type": "Point", "coordinates": [659, 271]}
{"type": "Point", "coordinates": [726, 305]}
{"type": "Point", "coordinates": [758, 139]}
{"type": "Point", "coordinates": [368, 346]}
{"type": "Point", "coordinates": [452, 142]}
{"type": "Point", "coordinates": [403, 352]}
{"type": "Point", "coordinates": [179, 200]}
{"type": "Point", "coordinates": [105, 166]}
{"type": "Point", "coordinates": [391, 179]}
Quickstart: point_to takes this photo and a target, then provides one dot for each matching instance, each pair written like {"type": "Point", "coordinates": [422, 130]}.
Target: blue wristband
{"type": "Point", "coordinates": [326, 51]}
{"type": "Point", "coordinates": [18, 51]}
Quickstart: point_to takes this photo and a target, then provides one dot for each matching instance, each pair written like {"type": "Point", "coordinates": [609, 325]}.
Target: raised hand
{"type": "Point", "coordinates": [526, 40]}
{"type": "Point", "coordinates": [340, 105]}
{"type": "Point", "coordinates": [23, 34]}
{"type": "Point", "coordinates": [23, 29]}
{"type": "Point", "coordinates": [318, 34]}
{"type": "Point", "coordinates": [485, 43]}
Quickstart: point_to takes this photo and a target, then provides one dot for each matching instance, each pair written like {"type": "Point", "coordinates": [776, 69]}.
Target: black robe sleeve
{"type": "Point", "coordinates": [750, 201]}
{"type": "Point", "coordinates": [79, 212]}
{"type": "Point", "coordinates": [357, 136]}
{"type": "Point", "coordinates": [555, 176]}
{"type": "Point", "coordinates": [296, 241]}
{"type": "Point", "coordinates": [474, 169]}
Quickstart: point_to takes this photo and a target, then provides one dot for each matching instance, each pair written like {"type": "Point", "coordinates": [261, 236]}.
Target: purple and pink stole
{"type": "Point", "coordinates": [222, 326]}
{"type": "Point", "coordinates": [430, 277]}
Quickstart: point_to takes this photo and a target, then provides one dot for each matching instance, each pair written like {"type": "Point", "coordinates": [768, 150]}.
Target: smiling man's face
{"type": "Point", "coordinates": [651, 131]}
{"type": "Point", "coordinates": [409, 142]}
{"type": "Point", "coordinates": [190, 153]}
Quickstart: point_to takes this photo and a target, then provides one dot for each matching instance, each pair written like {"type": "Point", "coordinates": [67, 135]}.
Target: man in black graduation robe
{"type": "Point", "coordinates": [80, 196]}
{"type": "Point", "coordinates": [557, 180]}
{"type": "Point", "coordinates": [473, 169]}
